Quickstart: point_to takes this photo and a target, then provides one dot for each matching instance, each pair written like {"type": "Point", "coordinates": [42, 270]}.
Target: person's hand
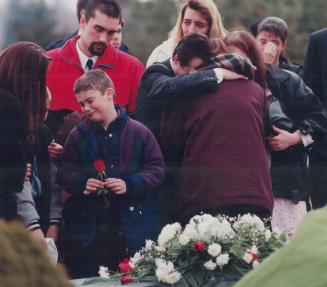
{"type": "Point", "coordinates": [116, 185]}
{"type": "Point", "coordinates": [39, 236]}
{"type": "Point", "coordinates": [28, 173]}
{"type": "Point", "coordinates": [283, 139]}
{"type": "Point", "coordinates": [92, 185]}
{"type": "Point", "coordinates": [52, 232]}
{"type": "Point", "coordinates": [270, 54]}
{"type": "Point", "coordinates": [230, 75]}
{"type": "Point", "coordinates": [55, 150]}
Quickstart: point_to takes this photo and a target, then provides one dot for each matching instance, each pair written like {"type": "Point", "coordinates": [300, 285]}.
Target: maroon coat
{"type": "Point", "coordinates": [224, 160]}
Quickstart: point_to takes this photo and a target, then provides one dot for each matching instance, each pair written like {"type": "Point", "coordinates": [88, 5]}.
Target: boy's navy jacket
{"type": "Point", "coordinates": [131, 153]}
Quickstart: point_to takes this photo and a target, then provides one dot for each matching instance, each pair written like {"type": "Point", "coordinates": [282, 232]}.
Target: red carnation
{"type": "Point", "coordinates": [198, 246]}
{"type": "Point", "coordinates": [99, 165]}
{"type": "Point", "coordinates": [126, 279]}
{"type": "Point", "coordinates": [254, 255]}
{"type": "Point", "coordinates": [124, 266]}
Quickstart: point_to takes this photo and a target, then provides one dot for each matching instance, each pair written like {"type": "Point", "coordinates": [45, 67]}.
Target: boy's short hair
{"type": "Point", "coordinates": [193, 46]}
{"type": "Point", "coordinates": [274, 25]}
{"type": "Point", "coordinates": [93, 80]}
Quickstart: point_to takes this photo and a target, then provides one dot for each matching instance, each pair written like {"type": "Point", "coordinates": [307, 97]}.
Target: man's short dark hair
{"type": "Point", "coordinates": [193, 46]}
{"type": "Point", "coordinates": [81, 4]}
{"type": "Point", "coordinates": [274, 25]}
{"type": "Point", "coordinates": [93, 80]}
{"type": "Point", "coordinates": [111, 8]}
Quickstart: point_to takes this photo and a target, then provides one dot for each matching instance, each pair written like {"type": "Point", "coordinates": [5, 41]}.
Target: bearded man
{"type": "Point", "coordinates": [92, 50]}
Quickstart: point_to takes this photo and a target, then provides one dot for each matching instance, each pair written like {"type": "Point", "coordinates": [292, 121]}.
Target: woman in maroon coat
{"type": "Point", "coordinates": [225, 167]}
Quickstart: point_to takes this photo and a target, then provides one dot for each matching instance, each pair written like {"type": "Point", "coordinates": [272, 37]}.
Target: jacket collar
{"type": "Point", "coordinates": [87, 126]}
{"type": "Point", "coordinates": [108, 60]}
{"type": "Point", "coordinates": [277, 74]}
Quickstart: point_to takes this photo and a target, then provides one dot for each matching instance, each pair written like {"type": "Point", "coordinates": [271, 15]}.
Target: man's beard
{"type": "Point", "coordinates": [97, 48]}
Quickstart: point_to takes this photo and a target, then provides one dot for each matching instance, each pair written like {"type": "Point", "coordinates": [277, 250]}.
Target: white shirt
{"type": "Point", "coordinates": [83, 58]}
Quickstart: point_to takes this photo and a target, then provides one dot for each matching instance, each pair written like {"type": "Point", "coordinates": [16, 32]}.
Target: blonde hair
{"type": "Point", "coordinates": [209, 10]}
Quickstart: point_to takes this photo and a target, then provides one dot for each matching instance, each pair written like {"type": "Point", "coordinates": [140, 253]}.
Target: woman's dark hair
{"type": "Point", "coordinates": [193, 46]}
{"type": "Point", "coordinates": [244, 41]}
{"type": "Point", "coordinates": [23, 67]}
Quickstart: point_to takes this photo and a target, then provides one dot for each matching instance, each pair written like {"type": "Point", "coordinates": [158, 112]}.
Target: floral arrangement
{"type": "Point", "coordinates": [100, 167]}
{"type": "Point", "coordinates": [207, 249]}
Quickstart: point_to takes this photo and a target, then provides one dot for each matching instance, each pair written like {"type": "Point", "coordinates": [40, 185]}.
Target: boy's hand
{"type": "Point", "coordinates": [270, 53]}
{"type": "Point", "coordinates": [55, 150]}
{"type": "Point", "coordinates": [28, 172]}
{"type": "Point", "coordinates": [92, 185]}
{"type": "Point", "coordinates": [117, 186]}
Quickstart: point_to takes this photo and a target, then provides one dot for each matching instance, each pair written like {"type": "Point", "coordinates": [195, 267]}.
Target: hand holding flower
{"type": "Point", "coordinates": [55, 150]}
{"type": "Point", "coordinates": [28, 173]}
{"type": "Point", "coordinates": [92, 185]}
{"type": "Point", "coordinates": [118, 186]}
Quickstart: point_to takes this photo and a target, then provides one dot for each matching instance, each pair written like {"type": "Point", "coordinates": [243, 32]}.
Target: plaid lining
{"type": "Point", "coordinates": [235, 63]}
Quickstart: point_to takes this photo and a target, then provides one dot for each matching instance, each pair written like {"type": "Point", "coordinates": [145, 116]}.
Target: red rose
{"type": "Point", "coordinates": [126, 279]}
{"type": "Point", "coordinates": [198, 246]}
{"type": "Point", "coordinates": [124, 266]}
{"type": "Point", "coordinates": [99, 165]}
{"type": "Point", "coordinates": [254, 255]}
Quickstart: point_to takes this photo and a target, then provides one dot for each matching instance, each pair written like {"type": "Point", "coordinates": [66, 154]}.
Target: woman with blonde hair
{"type": "Point", "coordinates": [196, 16]}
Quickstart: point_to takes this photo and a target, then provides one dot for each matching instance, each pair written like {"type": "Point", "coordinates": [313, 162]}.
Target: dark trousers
{"type": "Point", "coordinates": [107, 249]}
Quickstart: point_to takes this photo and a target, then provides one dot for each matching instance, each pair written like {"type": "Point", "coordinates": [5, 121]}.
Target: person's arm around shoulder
{"type": "Point", "coordinates": [160, 85]}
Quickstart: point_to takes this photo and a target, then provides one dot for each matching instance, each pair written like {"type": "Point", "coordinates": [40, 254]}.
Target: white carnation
{"type": "Point", "coordinates": [136, 258]}
{"type": "Point", "coordinates": [222, 260]}
{"type": "Point", "coordinates": [251, 222]}
{"type": "Point", "coordinates": [164, 266]}
{"type": "Point", "coordinates": [204, 227]}
{"type": "Point", "coordinates": [148, 245]}
{"type": "Point", "coordinates": [173, 277]}
{"type": "Point", "coordinates": [214, 249]}
{"type": "Point", "coordinates": [254, 249]}
{"type": "Point", "coordinates": [247, 257]}
{"type": "Point", "coordinates": [210, 265]}
{"type": "Point", "coordinates": [103, 272]}
{"type": "Point", "coordinates": [255, 263]}
{"type": "Point", "coordinates": [267, 235]}
{"type": "Point", "coordinates": [160, 248]}
{"type": "Point", "coordinates": [183, 239]}
{"type": "Point", "coordinates": [166, 273]}
{"type": "Point", "coordinates": [168, 233]}
{"type": "Point", "coordinates": [276, 232]}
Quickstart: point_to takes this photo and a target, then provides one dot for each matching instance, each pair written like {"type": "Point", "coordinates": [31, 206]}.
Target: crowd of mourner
{"type": "Point", "coordinates": [99, 152]}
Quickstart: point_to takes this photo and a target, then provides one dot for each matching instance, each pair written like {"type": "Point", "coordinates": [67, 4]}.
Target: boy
{"type": "Point", "coordinates": [271, 37]}
{"type": "Point", "coordinates": [133, 166]}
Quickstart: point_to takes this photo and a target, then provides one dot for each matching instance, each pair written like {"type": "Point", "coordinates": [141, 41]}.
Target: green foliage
{"type": "Point", "coordinates": [30, 20]}
{"type": "Point", "coordinates": [302, 16]}
{"type": "Point", "coordinates": [148, 24]}
{"type": "Point", "coordinates": [24, 263]}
